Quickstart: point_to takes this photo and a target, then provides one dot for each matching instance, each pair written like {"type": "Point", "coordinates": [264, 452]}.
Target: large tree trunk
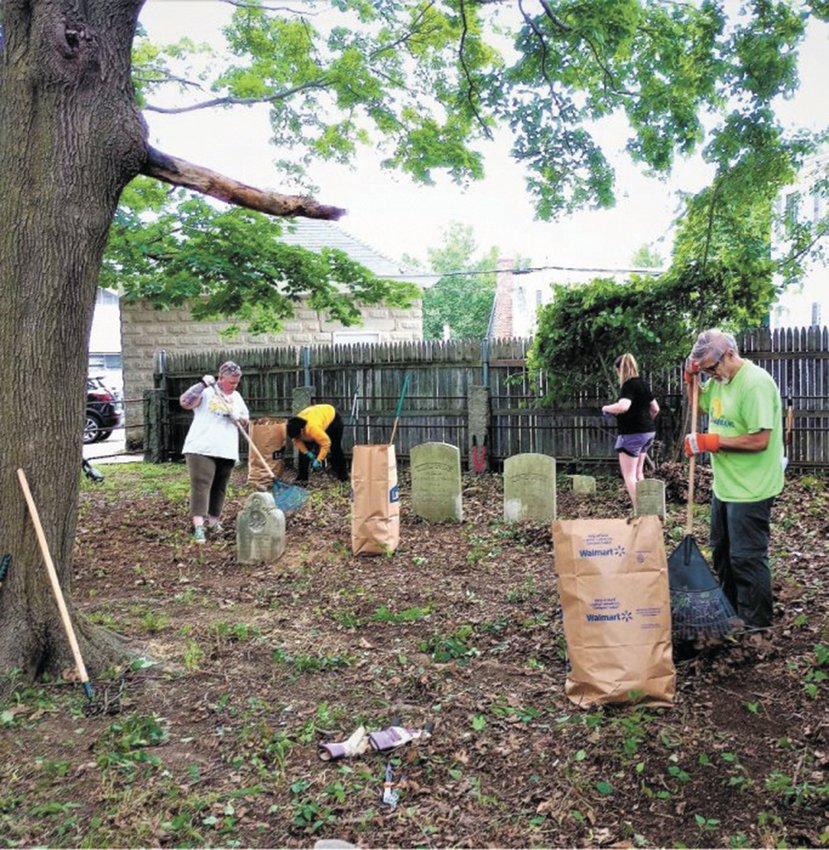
{"type": "Point", "coordinates": [71, 138]}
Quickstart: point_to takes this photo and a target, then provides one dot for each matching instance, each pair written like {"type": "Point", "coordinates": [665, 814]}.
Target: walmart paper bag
{"type": "Point", "coordinates": [269, 436]}
{"type": "Point", "coordinates": [613, 587]}
{"type": "Point", "coordinates": [375, 500]}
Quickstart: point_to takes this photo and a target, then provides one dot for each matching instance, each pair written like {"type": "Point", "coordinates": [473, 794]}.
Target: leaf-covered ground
{"type": "Point", "coordinates": [247, 668]}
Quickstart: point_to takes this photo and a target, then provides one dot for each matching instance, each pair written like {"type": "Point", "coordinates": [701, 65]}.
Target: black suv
{"type": "Point", "coordinates": [103, 411]}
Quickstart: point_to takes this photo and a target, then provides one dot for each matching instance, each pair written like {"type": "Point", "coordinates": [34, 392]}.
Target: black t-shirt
{"type": "Point", "coordinates": [637, 419]}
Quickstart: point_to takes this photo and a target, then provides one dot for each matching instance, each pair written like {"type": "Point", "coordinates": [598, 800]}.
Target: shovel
{"type": "Point", "coordinates": [288, 497]}
{"type": "Point", "coordinates": [699, 608]}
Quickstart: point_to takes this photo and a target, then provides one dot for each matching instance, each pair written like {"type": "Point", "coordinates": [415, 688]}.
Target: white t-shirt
{"type": "Point", "coordinates": [213, 432]}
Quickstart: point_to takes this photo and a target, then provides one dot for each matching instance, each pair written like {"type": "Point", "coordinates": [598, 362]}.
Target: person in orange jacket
{"type": "Point", "coordinates": [317, 431]}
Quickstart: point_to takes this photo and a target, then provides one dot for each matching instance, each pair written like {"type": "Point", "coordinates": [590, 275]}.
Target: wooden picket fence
{"type": "Point", "coordinates": [364, 382]}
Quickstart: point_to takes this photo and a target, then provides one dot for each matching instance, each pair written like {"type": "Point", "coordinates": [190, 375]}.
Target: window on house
{"type": "Point", "coordinates": [816, 313]}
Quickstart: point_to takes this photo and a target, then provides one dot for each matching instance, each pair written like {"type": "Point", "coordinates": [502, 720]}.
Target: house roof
{"type": "Point", "coordinates": [316, 234]}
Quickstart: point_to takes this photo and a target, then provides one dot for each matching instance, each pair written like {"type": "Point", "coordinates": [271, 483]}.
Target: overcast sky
{"type": "Point", "coordinates": [396, 217]}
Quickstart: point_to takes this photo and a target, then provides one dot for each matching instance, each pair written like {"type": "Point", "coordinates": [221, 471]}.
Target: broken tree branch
{"type": "Point", "coordinates": [179, 172]}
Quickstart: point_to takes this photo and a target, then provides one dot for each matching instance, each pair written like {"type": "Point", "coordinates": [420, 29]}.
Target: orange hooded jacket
{"type": "Point", "coordinates": [317, 418]}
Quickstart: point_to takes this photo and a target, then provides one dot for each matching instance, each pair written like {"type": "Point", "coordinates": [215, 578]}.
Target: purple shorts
{"type": "Point", "coordinates": [634, 444]}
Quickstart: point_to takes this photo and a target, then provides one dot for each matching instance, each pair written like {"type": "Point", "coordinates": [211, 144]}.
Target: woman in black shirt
{"type": "Point", "coordinates": [634, 411]}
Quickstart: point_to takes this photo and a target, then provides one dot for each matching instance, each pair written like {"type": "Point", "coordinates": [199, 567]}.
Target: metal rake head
{"type": "Point", "coordinates": [701, 614]}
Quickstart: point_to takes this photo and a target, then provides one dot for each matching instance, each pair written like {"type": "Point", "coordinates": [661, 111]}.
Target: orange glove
{"type": "Point", "coordinates": [691, 370]}
{"type": "Point", "coordinates": [697, 443]}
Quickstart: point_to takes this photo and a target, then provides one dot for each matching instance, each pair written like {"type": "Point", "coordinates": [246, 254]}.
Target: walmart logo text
{"type": "Point", "coordinates": [607, 552]}
{"type": "Point", "coordinates": [621, 617]}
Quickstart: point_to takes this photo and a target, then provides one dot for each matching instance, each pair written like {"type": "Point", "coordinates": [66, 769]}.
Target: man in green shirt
{"type": "Point", "coordinates": [745, 438]}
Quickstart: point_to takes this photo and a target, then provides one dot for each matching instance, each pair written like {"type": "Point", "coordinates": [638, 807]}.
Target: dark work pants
{"type": "Point", "coordinates": [338, 461]}
{"type": "Point", "coordinates": [740, 549]}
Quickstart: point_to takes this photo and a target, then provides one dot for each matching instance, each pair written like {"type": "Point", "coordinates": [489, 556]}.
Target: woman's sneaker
{"type": "Point", "coordinates": [198, 534]}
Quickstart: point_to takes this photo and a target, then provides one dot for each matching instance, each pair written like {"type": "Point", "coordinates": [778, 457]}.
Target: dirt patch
{"type": "Point", "coordinates": [248, 668]}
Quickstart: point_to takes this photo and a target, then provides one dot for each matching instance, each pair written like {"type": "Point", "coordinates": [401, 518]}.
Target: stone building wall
{"type": "Point", "coordinates": [146, 331]}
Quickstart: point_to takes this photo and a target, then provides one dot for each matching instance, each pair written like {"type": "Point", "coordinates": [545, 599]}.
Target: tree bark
{"type": "Point", "coordinates": [71, 137]}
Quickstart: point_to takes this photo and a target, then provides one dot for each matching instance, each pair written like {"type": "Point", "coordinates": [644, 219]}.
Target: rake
{"type": "Point", "coordinates": [699, 607]}
{"type": "Point", "coordinates": [288, 497]}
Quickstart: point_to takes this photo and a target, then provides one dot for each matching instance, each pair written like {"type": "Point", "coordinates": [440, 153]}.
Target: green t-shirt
{"type": "Point", "coordinates": [748, 403]}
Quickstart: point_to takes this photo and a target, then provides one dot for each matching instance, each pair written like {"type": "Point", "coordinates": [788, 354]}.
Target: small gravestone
{"type": "Point", "coordinates": [436, 482]}
{"type": "Point", "coordinates": [529, 487]}
{"type": "Point", "coordinates": [260, 531]}
{"type": "Point", "coordinates": [584, 485]}
{"type": "Point", "coordinates": [650, 498]}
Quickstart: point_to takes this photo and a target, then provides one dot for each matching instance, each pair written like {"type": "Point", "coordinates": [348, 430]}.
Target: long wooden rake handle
{"type": "Point", "coordinates": [255, 449]}
{"type": "Point", "coordinates": [689, 517]}
{"type": "Point", "coordinates": [53, 578]}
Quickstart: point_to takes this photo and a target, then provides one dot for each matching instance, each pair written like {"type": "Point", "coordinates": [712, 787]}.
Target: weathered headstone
{"type": "Point", "coordinates": [529, 487]}
{"type": "Point", "coordinates": [650, 497]}
{"type": "Point", "coordinates": [584, 485]}
{"type": "Point", "coordinates": [260, 531]}
{"type": "Point", "coordinates": [436, 482]}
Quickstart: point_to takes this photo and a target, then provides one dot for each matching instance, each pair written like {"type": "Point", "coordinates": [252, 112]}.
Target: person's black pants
{"type": "Point", "coordinates": [740, 550]}
{"type": "Point", "coordinates": [338, 461]}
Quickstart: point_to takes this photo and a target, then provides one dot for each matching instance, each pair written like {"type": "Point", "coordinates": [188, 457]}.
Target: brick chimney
{"type": "Point", "coordinates": [501, 321]}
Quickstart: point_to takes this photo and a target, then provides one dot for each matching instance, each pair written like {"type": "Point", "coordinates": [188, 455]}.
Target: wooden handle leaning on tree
{"type": "Point", "coordinates": [53, 578]}
{"type": "Point", "coordinates": [689, 520]}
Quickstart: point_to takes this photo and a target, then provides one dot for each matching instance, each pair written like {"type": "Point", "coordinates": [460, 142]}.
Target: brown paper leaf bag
{"type": "Point", "coordinates": [375, 505]}
{"type": "Point", "coordinates": [615, 601]}
{"type": "Point", "coordinates": [269, 436]}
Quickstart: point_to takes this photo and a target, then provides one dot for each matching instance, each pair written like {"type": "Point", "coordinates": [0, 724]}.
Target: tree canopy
{"type": "Point", "coordinates": [425, 84]}
{"type": "Point", "coordinates": [722, 273]}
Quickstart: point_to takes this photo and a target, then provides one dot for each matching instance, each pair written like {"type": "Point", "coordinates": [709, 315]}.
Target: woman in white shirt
{"type": "Point", "coordinates": [212, 444]}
